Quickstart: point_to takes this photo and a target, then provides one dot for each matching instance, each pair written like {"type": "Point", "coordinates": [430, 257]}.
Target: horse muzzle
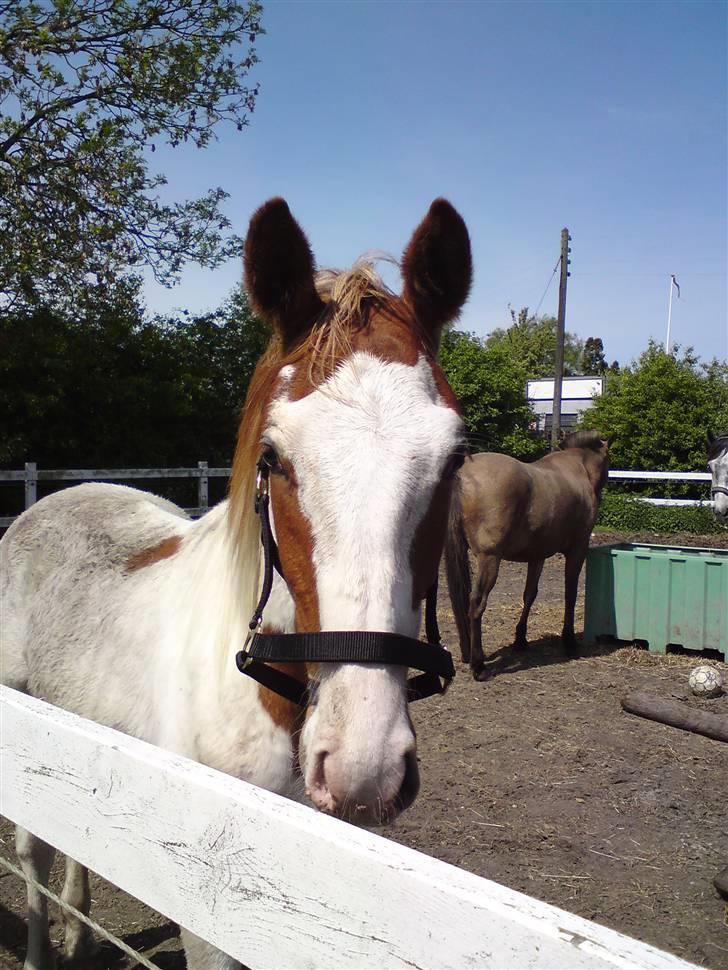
{"type": "Point", "coordinates": [342, 787]}
{"type": "Point", "coordinates": [720, 504]}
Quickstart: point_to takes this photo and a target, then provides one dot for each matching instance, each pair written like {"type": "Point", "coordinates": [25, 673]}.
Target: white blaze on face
{"type": "Point", "coordinates": [368, 449]}
{"type": "Point", "coordinates": [719, 471]}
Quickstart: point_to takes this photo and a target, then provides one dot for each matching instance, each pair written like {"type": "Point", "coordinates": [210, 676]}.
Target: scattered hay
{"type": "Point", "coordinates": [634, 656]}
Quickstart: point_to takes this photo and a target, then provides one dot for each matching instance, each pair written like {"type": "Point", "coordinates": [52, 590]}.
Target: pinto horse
{"type": "Point", "coordinates": [718, 465]}
{"type": "Point", "coordinates": [506, 509]}
{"type": "Point", "coordinates": [120, 608]}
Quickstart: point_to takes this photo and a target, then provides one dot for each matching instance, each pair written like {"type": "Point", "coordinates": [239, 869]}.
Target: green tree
{"type": "Point", "coordinates": [88, 89]}
{"type": "Point", "coordinates": [491, 389]}
{"type": "Point", "coordinates": [660, 408]}
{"type": "Point", "coordinates": [107, 387]}
{"type": "Point", "coordinates": [531, 341]}
{"type": "Point", "coordinates": [216, 356]}
{"type": "Point", "coordinates": [593, 360]}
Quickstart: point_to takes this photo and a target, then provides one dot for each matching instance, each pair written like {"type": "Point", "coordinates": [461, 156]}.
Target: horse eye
{"type": "Point", "coordinates": [269, 457]}
{"type": "Point", "coordinates": [454, 465]}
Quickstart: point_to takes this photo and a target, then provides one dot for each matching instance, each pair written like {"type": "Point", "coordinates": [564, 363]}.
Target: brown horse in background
{"type": "Point", "coordinates": [507, 509]}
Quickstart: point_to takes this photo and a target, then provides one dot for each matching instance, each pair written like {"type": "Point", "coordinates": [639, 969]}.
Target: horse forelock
{"type": "Point", "coordinates": [360, 313]}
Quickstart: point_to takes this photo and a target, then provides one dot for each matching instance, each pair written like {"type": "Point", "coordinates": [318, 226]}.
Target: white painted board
{"type": "Point", "coordinates": [661, 476]}
{"type": "Point", "coordinates": [571, 387]}
{"type": "Point", "coordinates": [269, 881]}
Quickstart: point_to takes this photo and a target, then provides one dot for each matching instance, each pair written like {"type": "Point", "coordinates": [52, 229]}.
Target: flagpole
{"type": "Point", "coordinates": [669, 318]}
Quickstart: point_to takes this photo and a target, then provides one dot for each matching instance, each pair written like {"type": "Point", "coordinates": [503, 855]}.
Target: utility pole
{"type": "Point", "coordinates": [673, 283]}
{"type": "Point", "coordinates": [560, 332]}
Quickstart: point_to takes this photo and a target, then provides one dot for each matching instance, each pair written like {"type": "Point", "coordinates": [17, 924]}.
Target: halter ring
{"type": "Point", "coordinates": [261, 488]}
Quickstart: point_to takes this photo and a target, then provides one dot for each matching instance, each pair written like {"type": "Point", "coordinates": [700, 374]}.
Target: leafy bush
{"type": "Point", "coordinates": [659, 410]}
{"type": "Point", "coordinates": [490, 385]}
{"type": "Point", "coordinates": [625, 513]}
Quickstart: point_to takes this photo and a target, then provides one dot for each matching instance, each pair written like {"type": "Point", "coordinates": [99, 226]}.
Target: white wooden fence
{"type": "Point", "coordinates": [270, 881]}
{"type": "Point", "coordinates": [665, 477]}
{"type": "Point", "coordinates": [31, 475]}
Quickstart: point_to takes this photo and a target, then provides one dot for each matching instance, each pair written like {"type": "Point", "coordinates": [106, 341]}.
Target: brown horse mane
{"type": "Point", "coordinates": [583, 439]}
{"type": "Point", "coordinates": [718, 445]}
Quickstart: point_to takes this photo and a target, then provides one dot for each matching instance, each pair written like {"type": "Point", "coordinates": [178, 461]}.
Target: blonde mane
{"type": "Point", "coordinates": [349, 296]}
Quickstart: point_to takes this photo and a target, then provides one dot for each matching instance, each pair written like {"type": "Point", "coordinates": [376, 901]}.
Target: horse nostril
{"type": "Point", "coordinates": [318, 776]}
{"type": "Point", "coordinates": [410, 783]}
{"type": "Point", "coordinates": [317, 788]}
{"type": "Point", "coordinates": [368, 791]}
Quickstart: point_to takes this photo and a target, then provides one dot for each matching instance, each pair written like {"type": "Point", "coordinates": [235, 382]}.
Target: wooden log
{"type": "Point", "coordinates": [721, 883]}
{"type": "Point", "coordinates": [676, 714]}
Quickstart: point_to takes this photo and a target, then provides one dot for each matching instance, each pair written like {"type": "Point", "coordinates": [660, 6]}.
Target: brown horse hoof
{"type": "Point", "coordinates": [721, 883]}
{"type": "Point", "coordinates": [481, 673]}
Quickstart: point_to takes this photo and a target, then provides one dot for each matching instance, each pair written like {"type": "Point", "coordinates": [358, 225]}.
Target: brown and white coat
{"type": "Point", "coordinates": [118, 607]}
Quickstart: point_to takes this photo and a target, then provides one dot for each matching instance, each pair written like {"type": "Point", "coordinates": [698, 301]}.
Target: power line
{"type": "Point", "coordinates": [548, 286]}
{"type": "Point", "coordinates": [609, 273]}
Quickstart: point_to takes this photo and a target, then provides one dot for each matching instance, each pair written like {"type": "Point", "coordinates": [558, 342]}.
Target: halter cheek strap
{"type": "Point", "coordinates": [345, 646]}
{"type": "Point", "coordinates": [718, 448]}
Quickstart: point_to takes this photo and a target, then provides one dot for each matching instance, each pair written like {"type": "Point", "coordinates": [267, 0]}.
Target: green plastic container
{"type": "Point", "coordinates": [662, 594]}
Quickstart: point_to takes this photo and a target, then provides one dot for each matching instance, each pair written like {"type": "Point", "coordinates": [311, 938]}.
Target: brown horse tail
{"type": "Point", "coordinates": [457, 566]}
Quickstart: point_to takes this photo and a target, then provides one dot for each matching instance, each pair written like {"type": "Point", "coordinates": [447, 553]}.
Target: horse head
{"type": "Point", "coordinates": [595, 453]}
{"type": "Point", "coordinates": [360, 437]}
{"type": "Point", "coordinates": [718, 465]}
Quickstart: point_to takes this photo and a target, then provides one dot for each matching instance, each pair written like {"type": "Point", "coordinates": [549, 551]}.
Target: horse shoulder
{"type": "Point", "coordinates": [496, 490]}
{"type": "Point", "coordinates": [71, 614]}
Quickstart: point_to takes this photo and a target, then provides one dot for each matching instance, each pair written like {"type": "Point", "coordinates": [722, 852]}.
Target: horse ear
{"type": "Point", "coordinates": [437, 268]}
{"type": "Point", "coordinates": [279, 272]}
{"type": "Point", "coordinates": [611, 438]}
{"type": "Point", "coordinates": [711, 437]}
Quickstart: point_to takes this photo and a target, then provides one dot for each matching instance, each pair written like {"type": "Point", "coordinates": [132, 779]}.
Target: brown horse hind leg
{"type": "Point", "coordinates": [487, 574]}
{"type": "Point", "coordinates": [530, 592]}
{"type": "Point", "coordinates": [572, 569]}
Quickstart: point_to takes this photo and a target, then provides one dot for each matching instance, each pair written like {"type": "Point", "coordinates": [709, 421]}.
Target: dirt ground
{"type": "Point", "coordinates": [538, 780]}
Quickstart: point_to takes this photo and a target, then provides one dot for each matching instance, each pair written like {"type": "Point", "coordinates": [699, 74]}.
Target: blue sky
{"type": "Point", "coordinates": [609, 118]}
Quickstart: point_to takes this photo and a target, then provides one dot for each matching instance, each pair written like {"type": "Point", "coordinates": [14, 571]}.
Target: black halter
{"type": "Point", "coordinates": [346, 646]}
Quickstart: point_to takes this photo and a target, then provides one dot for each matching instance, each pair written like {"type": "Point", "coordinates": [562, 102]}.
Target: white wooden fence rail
{"type": "Point", "coordinates": [268, 880]}
{"type": "Point", "coordinates": [633, 476]}
{"type": "Point", "coordinates": [31, 475]}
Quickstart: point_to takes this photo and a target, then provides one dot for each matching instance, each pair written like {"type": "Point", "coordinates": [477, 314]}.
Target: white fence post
{"type": "Point", "coordinates": [202, 486]}
{"type": "Point", "coordinates": [31, 483]}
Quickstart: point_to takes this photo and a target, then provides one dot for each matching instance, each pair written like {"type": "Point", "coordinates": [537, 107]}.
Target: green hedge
{"type": "Point", "coordinates": [625, 513]}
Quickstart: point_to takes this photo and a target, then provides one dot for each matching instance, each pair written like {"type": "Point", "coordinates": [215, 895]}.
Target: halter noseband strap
{"type": "Point", "coordinates": [346, 646]}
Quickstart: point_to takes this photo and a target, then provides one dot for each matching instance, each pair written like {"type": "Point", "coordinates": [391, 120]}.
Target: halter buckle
{"type": "Point", "coordinates": [245, 658]}
{"type": "Point", "coordinates": [261, 488]}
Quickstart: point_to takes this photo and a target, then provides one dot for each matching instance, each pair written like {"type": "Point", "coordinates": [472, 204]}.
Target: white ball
{"type": "Point", "coordinates": [705, 681]}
